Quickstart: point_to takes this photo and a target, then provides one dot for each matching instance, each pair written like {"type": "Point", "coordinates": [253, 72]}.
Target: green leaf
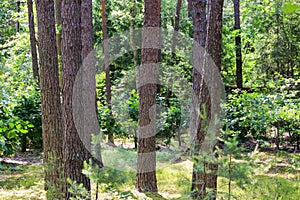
{"type": "Point", "coordinates": [289, 8]}
{"type": "Point", "coordinates": [30, 126]}
{"type": "Point", "coordinates": [11, 134]}
{"type": "Point", "coordinates": [11, 125]}
{"type": "Point", "coordinates": [23, 131]}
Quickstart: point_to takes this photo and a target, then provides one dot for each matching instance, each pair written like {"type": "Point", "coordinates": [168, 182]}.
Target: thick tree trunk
{"type": "Point", "coordinates": [35, 67]}
{"type": "Point", "coordinates": [74, 150]}
{"type": "Point", "coordinates": [147, 77]}
{"type": "Point", "coordinates": [50, 95]}
{"type": "Point", "coordinates": [106, 63]}
{"type": "Point", "coordinates": [238, 45]}
{"type": "Point", "coordinates": [200, 94]}
{"type": "Point", "coordinates": [87, 55]}
{"type": "Point", "coordinates": [214, 49]}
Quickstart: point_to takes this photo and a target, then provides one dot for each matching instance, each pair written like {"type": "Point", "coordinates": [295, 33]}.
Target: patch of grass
{"type": "Point", "coordinates": [24, 182]}
{"type": "Point", "coordinates": [275, 176]}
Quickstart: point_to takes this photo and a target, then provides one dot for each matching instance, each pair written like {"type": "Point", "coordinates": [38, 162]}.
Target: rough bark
{"type": "Point", "coordinates": [106, 64]}
{"type": "Point", "coordinates": [214, 49]}
{"type": "Point", "coordinates": [200, 96]}
{"type": "Point", "coordinates": [238, 45]}
{"type": "Point", "coordinates": [147, 78]}
{"type": "Point", "coordinates": [34, 58]}
{"type": "Point", "coordinates": [89, 71]}
{"type": "Point", "coordinates": [50, 95]}
{"type": "Point", "coordinates": [74, 150]}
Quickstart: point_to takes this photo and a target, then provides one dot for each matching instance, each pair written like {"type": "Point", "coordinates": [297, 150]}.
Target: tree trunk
{"type": "Point", "coordinates": [147, 79]}
{"type": "Point", "coordinates": [214, 49]}
{"type": "Point", "coordinates": [174, 45]}
{"type": "Point", "coordinates": [75, 152]}
{"type": "Point", "coordinates": [106, 63]}
{"type": "Point", "coordinates": [50, 95]}
{"type": "Point", "coordinates": [34, 58]}
{"type": "Point", "coordinates": [200, 94]}
{"type": "Point", "coordinates": [89, 99]}
{"type": "Point", "coordinates": [190, 8]}
{"type": "Point", "coordinates": [176, 26]}
{"type": "Point", "coordinates": [135, 55]}
{"type": "Point", "coordinates": [238, 45]}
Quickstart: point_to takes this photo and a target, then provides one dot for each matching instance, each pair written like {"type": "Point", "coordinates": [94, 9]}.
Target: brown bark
{"type": "Point", "coordinates": [106, 61]}
{"type": "Point", "coordinates": [87, 54]}
{"type": "Point", "coordinates": [214, 49]}
{"type": "Point", "coordinates": [238, 45]}
{"type": "Point", "coordinates": [133, 47]}
{"type": "Point", "coordinates": [74, 150]}
{"type": "Point", "coordinates": [50, 95]}
{"type": "Point", "coordinates": [146, 160]}
{"type": "Point", "coordinates": [176, 26]}
{"type": "Point", "coordinates": [190, 8]}
{"type": "Point", "coordinates": [200, 97]}
{"type": "Point", "coordinates": [34, 58]}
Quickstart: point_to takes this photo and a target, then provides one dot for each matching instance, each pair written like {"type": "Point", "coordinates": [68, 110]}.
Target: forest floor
{"type": "Point", "coordinates": [271, 175]}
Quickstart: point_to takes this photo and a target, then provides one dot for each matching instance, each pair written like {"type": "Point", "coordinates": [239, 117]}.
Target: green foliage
{"type": "Point", "coordinates": [19, 101]}
{"type": "Point", "coordinates": [77, 190]}
{"type": "Point", "coordinates": [257, 112]}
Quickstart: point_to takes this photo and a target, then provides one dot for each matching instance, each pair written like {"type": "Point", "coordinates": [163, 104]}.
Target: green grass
{"type": "Point", "coordinates": [25, 182]}
{"type": "Point", "coordinates": [274, 176]}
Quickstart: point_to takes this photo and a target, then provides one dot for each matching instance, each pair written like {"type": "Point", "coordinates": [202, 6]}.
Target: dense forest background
{"type": "Point", "coordinates": [259, 68]}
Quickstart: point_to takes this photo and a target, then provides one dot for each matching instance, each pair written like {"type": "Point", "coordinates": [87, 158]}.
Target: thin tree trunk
{"type": "Point", "coordinates": [190, 8]}
{"type": "Point", "coordinates": [74, 150]}
{"type": "Point", "coordinates": [200, 95]}
{"type": "Point", "coordinates": [106, 63]}
{"type": "Point", "coordinates": [238, 47]}
{"type": "Point", "coordinates": [146, 160]}
{"type": "Point", "coordinates": [133, 47]}
{"type": "Point", "coordinates": [176, 26]}
{"type": "Point", "coordinates": [174, 45]}
{"type": "Point", "coordinates": [50, 95]}
{"type": "Point", "coordinates": [34, 58]}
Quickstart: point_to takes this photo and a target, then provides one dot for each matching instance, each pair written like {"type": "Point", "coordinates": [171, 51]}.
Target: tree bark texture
{"type": "Point", "coordinates": [147, 87]}
{"type": "Point", "coordinates": [50, 95]}
{"type": "Point", "coordinates": [200, 96]}
{"type": "Point", "coordinates": [75, 152]}
{"type": "Point", "coordinates": [238, 45]}
{"type": "Point", "coordinates": [35, 66]}
{"type": "Point", "coordinates": [88, 99]}
{"type": "Point", "coordinates": [214, 49]}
